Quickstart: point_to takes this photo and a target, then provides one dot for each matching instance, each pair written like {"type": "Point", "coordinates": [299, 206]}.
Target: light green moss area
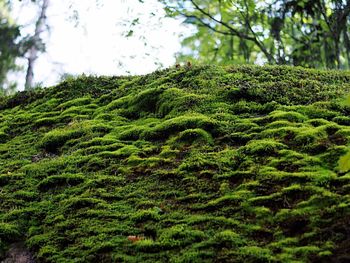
{"type": "Point", "coordinates": [201, 164]}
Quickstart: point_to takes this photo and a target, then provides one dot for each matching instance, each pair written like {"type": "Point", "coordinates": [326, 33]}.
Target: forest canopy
{"type": "Point", "coordinates": [289, 32]}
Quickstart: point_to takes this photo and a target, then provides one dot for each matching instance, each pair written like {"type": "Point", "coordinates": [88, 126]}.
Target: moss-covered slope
{"type": "Point", "coordinates": [205, 164]}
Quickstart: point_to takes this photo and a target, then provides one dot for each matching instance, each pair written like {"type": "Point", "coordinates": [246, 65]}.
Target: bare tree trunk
{"type": "Point", "coordinates": [33, 51]}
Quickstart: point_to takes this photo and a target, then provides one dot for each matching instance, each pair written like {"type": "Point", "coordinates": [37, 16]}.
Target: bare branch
{"type": "Point", "coordinates": [227, 33]}
{"type": "Point", "coordinates": [232, 30]}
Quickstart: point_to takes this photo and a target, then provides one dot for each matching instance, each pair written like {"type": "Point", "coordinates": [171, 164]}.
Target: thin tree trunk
{"type": "Point", "coordinates": [230, 51]}
{"type": "Point", "coordinates": [33, 51]}
{"type": "Point", "coordinates": [337, 53]}
{"type": "Point", "coordinates": [347, 46]}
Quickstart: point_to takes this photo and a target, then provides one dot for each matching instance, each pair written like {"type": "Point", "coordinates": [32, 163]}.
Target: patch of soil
{"type": "Point", "coordinates": [18, 253]}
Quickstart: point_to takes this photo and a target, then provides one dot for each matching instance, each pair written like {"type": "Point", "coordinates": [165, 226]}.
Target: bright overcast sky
{"type": "Point", "coordinates": [94, 43]}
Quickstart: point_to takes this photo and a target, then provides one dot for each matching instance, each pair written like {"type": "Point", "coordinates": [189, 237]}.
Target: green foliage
{"type": "Point", "coordinates": [195, 165]}
{"type": "Point", "coordinates": [9, 48]}
{"type": "Point", "coordinates": [274, 32]}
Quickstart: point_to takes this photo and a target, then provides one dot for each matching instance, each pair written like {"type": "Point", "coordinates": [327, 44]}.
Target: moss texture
{"type": "Point", "coordinates": [201, 164]}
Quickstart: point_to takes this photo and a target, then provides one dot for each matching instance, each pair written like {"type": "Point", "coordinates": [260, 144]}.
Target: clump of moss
{"type": "Point", "coordinates": [288, 116]}
{"type": "Point", "coordinates": [55, 139]}
{"type": "Point", "coordinates": [194, 136]}
{"type": "Point", "coordinates": [262, 147]}
{"type": "Point", "coordinates": [178, 124]}
{"type": "Point", "coordinates": [60, 180]}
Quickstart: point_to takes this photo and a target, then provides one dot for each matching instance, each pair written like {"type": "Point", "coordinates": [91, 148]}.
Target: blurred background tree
{"type": "Point", "coordinates": [291, 32]}
{"type": "Point", "coordinates": [51, 38]}
{"type": "Point", "coordinates": [14, 45]}
{"type": "Point", "coordinates": [37, 45]}
{"type": "Point", "coordinates": [9, 48]}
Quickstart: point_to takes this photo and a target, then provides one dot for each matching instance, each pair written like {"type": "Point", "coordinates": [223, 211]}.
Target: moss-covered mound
{"type": "Point", "coordinates": [205, 164]}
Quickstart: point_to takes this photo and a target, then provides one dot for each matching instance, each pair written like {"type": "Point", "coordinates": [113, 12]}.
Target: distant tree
{"type": "Point", "coordinates": [9, 47]}
{"type": "Point", "coordinates": [37, 42]}
{"type": "Point", "coordinates": [14, 45]}
{"type": "Point", "coordinates": [294, 32]}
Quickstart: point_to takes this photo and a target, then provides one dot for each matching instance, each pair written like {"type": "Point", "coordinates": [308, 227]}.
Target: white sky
{"type": "Point", "coordinates": [94, 43]}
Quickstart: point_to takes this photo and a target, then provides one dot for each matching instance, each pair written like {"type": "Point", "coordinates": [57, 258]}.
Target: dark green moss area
{"type": "Point", "coordinates": [208, 164]}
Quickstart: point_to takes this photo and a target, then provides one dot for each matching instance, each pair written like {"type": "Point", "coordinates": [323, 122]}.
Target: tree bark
{"type": "Point", "coordinates": [34, 50]}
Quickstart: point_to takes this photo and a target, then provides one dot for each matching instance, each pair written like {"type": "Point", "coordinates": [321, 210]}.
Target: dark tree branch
{"type": "Point", "coordinates": [236, 32]}
{"type": "Point", "coordinates": [262, 47]}
{"type": "Point", "coordinates": [227, 33]}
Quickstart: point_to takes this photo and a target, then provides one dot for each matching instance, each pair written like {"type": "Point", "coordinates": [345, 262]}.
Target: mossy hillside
{"type": "Point", "coordinates": [204, 164]}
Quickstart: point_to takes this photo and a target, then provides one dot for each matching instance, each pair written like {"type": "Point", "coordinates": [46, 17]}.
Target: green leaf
{"type": "Point", "coordinates": [130, 33]}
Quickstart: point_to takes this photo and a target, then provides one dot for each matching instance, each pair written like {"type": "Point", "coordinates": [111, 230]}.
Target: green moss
{"type": "Point", "coordinates": [255, 253]}
{"type": "Point", "coordinates": [46, 167]}
{"type": "Point", "coordinates": [178, 124]}
{"type": "Point", "coordinates": [342, 120]}
{"type": "Point", "coordinates": [331, 157]}
{"type": "Point", "coordinates": [146, 101]}
{"type": "Point", "coordinates": [284, 133]}
{"type": "Point", "coordinates": [229, 238]}
{"type": "Point", "coordinates": [132, 133]}
{"type": "Point", "coordinates": [194, 136]}
{"type": "Point", "coordinates": [288, 116]}
{"type": "Point", "coordinates": [60, 180]}
{"type": "Point", "coordinates": [3, 137]}
{"type": "Point", "coordinates": [55, 139]}
{"type": "Point", "coordinates": [344, 163]}
{"type": "Point", "coordinates": [75, 102]}
{"type": "Point", "coordinates": [76, 203]}
{"type": "Point", "coordinates": [309, 136]}
{"type": "Point", "coordinates": [47, 121]}
{"type": "Point", "coordinates": [146, 215]}
{"type": "Point", "coordinates": [262, 147]}
{"type": "Point", "coordinates": [120, 153]}
{"type": "Point", "coordinates": [201, 164]}
{"type": "Point", "coordinates": [78, 110]}
{"type": "Point", "coordinates": [179, 236]}
{"type": "Point", "coordinates": [280, 124]}
{"type": "Point", "coordinates": [173, 99]}
{"type": "Point", "coordinates": [318, 122]}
